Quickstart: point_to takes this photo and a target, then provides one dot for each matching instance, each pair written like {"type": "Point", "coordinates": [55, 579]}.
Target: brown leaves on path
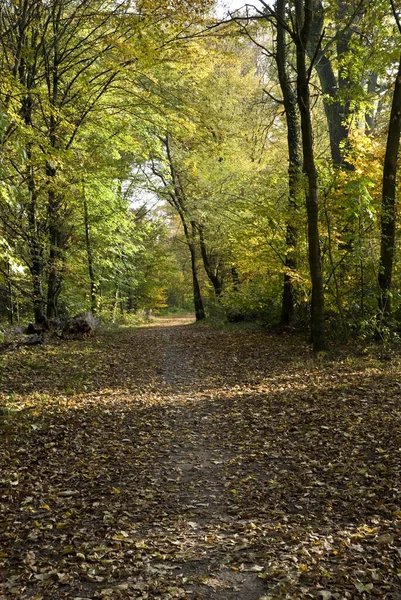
{"type": "Point", "coordinates": [179, 461]}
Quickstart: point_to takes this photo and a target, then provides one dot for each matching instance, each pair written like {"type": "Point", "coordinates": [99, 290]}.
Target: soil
{"type": "Point", "coordinates": [179, 461]}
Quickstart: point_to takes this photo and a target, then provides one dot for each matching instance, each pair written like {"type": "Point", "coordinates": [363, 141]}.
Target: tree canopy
{"type": "Point", "coordinates": [155, 154]}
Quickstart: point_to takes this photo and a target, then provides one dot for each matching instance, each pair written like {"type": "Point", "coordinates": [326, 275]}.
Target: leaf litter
{"type": "Point", "coordinates": [177, 461]}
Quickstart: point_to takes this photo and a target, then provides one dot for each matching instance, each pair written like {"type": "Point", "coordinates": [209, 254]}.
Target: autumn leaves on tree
{"type": "Point", "coordinates": [158, 155]}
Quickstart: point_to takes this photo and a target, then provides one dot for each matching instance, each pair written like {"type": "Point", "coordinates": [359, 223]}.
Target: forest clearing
{"type": "Point", "coordinates": [182, 461]}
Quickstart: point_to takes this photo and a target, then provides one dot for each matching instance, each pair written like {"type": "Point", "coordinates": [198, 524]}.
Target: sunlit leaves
{"type": "Point", "coordinates": [183, 460]}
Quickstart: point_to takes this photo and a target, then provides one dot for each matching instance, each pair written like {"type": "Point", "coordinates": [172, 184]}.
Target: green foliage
{"type": "Point", "coordinates": [73, 105]}
{"type": "Point", "coordinates": [253, 301]}
{"type": "Point", "coordinates": [86, 181]}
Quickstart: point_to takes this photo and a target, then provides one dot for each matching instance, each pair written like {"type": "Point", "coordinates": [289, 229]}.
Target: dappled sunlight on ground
{"type": "Point", "coordinates": [183, 462]}
{"type": "Point", "coordinates": [169, 321]}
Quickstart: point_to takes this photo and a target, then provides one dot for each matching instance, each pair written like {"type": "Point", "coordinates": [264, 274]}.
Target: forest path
{"type": "Point", "coordinates": [180, 461]}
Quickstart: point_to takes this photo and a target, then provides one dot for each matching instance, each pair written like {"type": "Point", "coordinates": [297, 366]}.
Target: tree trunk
{"type": "Point", "coordinates": [36, 256]}
{"type": "Point", "coordinates": [35, 247]}
{"type": "Point", "coordinates": [177, 199]}
{"type": "Point", "coordinates": [38, 300]}
{"type": "Point", "coordinates": [10, 302]}
{"type": "Point", "coordinates": [295, 165]}
{"type": "Point", "coordinates": [287, 302]}
{"type": "Point", "coordinates": [115, 305]}
{"type": "Point", "coordinates": [388, 216]}
{"type": "Point", "coordinates": [190, 237]}
{"type": "Point", "coordinates": [337, 112]}
{"type": "Point", "coordinates": [53, 282]}
{"type": "Point", "coordinates": [210, 272]}
{"type": "Point", "coordinates": [54, 277]}
{"type": "Point", "coordinates": [305, 13]}
{"type": "Point", "coordinates": [131, 303]}
{"type": "Point", "coordinates": [89, 255]}
{"type": "Point", "coordinates": [235, 278]}
{"type": "Point", "coordinates": [370, 115]}
{"type": "Point", "coordinates": [198, 302]}
{"type": "Point", "coordinates": [53, 209]}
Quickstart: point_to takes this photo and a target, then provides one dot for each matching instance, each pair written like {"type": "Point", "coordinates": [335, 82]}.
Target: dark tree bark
{"type": "Point", "coordinates": [10, 295]}
{"type": "Point", "coordinates": [89, 255]}
{"type": "Point", "coordinates": [370, 114]}
{"type": "Point", "coordinates": [176, 198]}
{"type": "Point", "coordinates": [131, 304]}
{"type": "Point", "coordinates": [295, 164]}
{"type": "Point", "coordinates": [235, 278]}
{"type": "Point", "coordinates": [55, 253]}
{"type": "Point", "coordinates": [53, 82]}
{"type": "Point", "coordinates": [35, 248]}
{"type": "Point", "coordinates": [334, 85]}
{"type": "Point", "coordinates": [304, 22]}
{"type": "Point", "coordinates": [388, 214]}
{"type": "Point", "coordinates": [35, 243]}
{"type": "Point", "coordinates": [190, 237]}
{"type": "Point", "coordinates": [211, 271]}
{"type": "Point", "coordinates": [34, 238]}
{"type": "Point", "coordinates": [198, 302]}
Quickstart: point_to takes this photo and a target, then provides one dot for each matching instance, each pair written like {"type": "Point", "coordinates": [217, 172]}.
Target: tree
{"type": "Point", "coordinates": [66, 63]}
{"type": "Point", "coordinates": [388, 211]}
{"type": "Point", "coordinates": [58, 63]}
{"type": "Point", "coordinates": [335, 87]}
{"type": "Point", "coordinates": [300, 33]}
{"type": "Point", "coordinates": [295, 162]}
{"type": "Point", "coordinates": [174, 193]}
{"type": "Point", "coordinates": [304, 15]}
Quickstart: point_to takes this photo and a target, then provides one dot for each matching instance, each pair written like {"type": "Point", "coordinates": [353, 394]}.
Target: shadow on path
{"type": "Point", "coordinates": [198, 464]}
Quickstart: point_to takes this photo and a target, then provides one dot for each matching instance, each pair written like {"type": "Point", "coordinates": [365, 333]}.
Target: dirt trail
{"type": "Point", "coordinates": [178, 461]}
{"type": "Point", "coordinates": [196, 461]}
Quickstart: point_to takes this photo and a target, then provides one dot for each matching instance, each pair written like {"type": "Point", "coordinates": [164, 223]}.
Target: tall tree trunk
{"type": "Point", "coordinates": [210, 272]}
{"type": "Point", "coordinates": [304, 17]}
{"type": "Point", "coordinates": [190, 238]}
{"type": "Point", "coordinates": [198, 302]}
{"type": "Point", "coordinates": [26, 72]}
{"type": "Point", "coordinates": [294, 168]}
{"type": "Point", "coordinates": [131, 303]}
{"type": "Point", "coordinates": [370, 115]}
{"type": "Point", "coordinates": [388, 216]}
{"type": "Point", "coordinates": [177, 199]}
{"type": "Point", "coordinates": [235, 278]}
{"type": "Point", "coordinates": [53, 281]}
{"type": "Point", "coordinates": [10, 301]}
{"type": "Point", "coordinates": [89, 255]}
{"type": "Point", "coordinates": [288, 302]}
{"type": "Point", "coordinates": [337, 111]}
{"type": "Point", "coordinates": [55, 235]}
{"type": "Point", "coordinates": [38, 300]}
{"type": "Point", "coordinates": [116, 302]}
{"type": "Point", "coordinates": [35, 245]}
{"type": "Point", "coordinates": [35, 251]}
{"type": "Point", "coordinates": [54, 276]}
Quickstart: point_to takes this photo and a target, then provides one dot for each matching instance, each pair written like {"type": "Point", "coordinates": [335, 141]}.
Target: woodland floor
{"type": "Point", "coordinates": [178, 461]}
